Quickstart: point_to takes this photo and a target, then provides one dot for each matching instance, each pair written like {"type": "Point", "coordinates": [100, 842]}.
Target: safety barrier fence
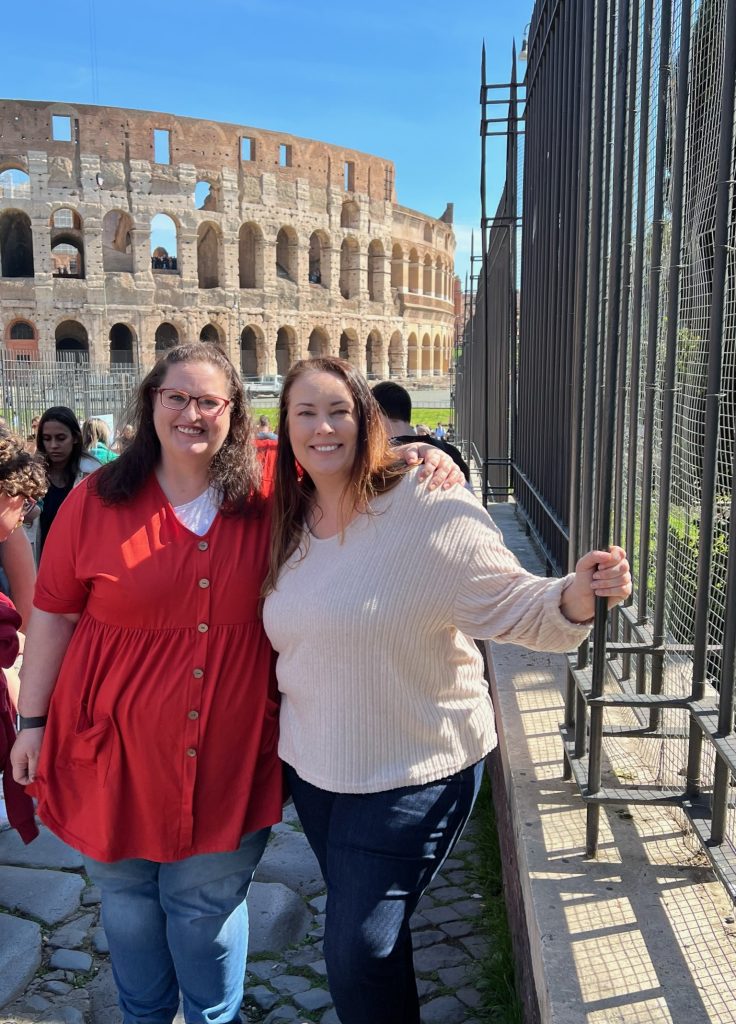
{"type": "Point", "coordinates": [610, 414]}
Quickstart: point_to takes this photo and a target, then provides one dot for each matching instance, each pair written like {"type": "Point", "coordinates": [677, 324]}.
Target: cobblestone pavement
{"type": "Point", "coordinates": [54, 966]}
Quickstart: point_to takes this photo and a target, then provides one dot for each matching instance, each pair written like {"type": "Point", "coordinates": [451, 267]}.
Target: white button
{"type": "Point", "coordinates": [204, 584]}
{"type": "Point", "coordinates": [198, 673]}
{"type": "Point", "coordinates": [203, 545]}
{"type": "Point", "coordinates": [203, 627]}
{"type": "Point", "coordinates": [191, 752]}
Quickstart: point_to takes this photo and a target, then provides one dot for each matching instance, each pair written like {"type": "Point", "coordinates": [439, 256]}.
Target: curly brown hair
{"type": "Point", "coordinates": [21, 472]}
{"type": "Point", "coordinates": [234, 471]}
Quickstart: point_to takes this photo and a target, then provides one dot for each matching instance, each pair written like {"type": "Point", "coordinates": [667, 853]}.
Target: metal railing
{"type": "Point", "coordinates": [619, 421]}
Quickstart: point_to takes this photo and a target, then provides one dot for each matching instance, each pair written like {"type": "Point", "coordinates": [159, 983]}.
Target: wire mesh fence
{"type": "Point", "coordinates": [621, 409]}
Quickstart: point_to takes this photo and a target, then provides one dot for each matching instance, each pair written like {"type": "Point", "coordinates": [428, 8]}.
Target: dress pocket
{"type": "Point", "coordinates": [91, 746]}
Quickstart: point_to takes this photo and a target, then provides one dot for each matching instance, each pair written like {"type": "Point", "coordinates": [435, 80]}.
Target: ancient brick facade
{"type": "Point", "coordinates": [278, 247]}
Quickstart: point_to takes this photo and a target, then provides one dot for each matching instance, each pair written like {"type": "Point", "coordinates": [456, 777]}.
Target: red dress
{"type": "Point", "coordinates": [162, 734]}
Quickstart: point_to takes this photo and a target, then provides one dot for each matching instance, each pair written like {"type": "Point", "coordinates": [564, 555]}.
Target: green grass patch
{"type": "Point", "coordinates": [497, 976]}
{"type": "Point", "coordinates": [431, 417]}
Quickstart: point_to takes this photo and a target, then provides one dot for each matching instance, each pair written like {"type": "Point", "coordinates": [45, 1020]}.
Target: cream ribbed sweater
{"type": "Point", "coordinates": [381, 685]}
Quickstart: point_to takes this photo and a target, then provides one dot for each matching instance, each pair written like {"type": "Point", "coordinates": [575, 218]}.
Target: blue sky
{"type": "Point", "coordinates": [396, 80]}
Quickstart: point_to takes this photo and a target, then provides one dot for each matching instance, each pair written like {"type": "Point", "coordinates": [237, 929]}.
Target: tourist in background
{"type": "Point", "coordinates": [96, 440]}
{"type": "Point", "coordinates": [376, 587]}
{"type": "Point", "coordinates": [60, 442]}
{"type": "Point", "coordinates": [264, 432]}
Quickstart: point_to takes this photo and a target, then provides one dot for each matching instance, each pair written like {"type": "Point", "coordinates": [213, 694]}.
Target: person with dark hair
{"type": "Point", "coordinates": [148, 698]}
{"type": "Point", "coordinates": [22, 484]}
{"type": "Point", "coordinates": [395, 403]}
{"type": "Point", "coordinates": [59, 440]}
{"type": "Point", "coordinates": [375, 589]}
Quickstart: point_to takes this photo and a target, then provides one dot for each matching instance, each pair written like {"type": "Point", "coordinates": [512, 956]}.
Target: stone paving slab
{"type": "Point", "coordinates": [20, 955]}
{"type": "Point", "coordinates": [49, 896]}
{"type": "Point", "coordinates": [46, 851]}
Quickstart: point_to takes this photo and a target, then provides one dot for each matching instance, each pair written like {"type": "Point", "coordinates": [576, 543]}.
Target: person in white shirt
{"type": "Point", "coordinates": [376, 587]}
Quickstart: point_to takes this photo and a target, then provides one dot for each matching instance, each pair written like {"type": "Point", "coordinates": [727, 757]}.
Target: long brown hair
{"type": "Point", "coordinates": [375, 469]}
{"type": "Point", "coordinates": [234, 469]}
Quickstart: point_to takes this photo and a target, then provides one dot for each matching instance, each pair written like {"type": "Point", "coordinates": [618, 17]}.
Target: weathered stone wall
{"type": "Point", "coordinates": [301, 249]}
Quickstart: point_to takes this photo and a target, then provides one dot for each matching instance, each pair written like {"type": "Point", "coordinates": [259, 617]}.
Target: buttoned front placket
{"type": "Point", "coordinates": [197, 670]}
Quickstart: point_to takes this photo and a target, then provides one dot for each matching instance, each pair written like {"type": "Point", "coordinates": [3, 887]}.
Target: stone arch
{"type": "Point", "coordinates": [350, 215]}
{"type": "Point", "coordinates": [319, 343]}
{"type": "Point", "coordinates": [413, 271]}
{"type": "Point", "coordinates": [350, 346]}
{"type": "Point", "coordinates": [117, 242]}
{"type": "Point", "coordinates": [205, 196]}
{"type": "Point", "coordinates": [437, 355]}
{"type": "Point", "coordinates": [164, 243]}
{"type": "Point", "coordinates": [427, 275]}
{"type": "Point", "coordinates": [426, 355]}
{"type": "Point", "coordinates": [349, 268]}
{"type": "Point", "coordinates": [122, 345]}
{"type": "Point", "coordinates": [15, 183]}
{"type": "Point", "coordinates": [208, 255]}
{"type": "Point", "coordinates": [375, 356]}
{"type": "Point", "coordinates": [412, 356]}
{"type": "Point", "coordinates": [212, 334]}
{"type": "Point", "coordinates": [21, 338]}
{"type": "Point", "coordinates": [286, 253]}
{"type": "Point", "coordinates": [166, 336]}
{"type": "Point", "coordinates": [319, 259]}
{"type": "Point", "coordinates": [72, 342]}
{"type": "Point", "coordinates": [397, 268]}
{"type": "Point", "coordinates": [67, 257]}
{"type": "Point", "coordinates": [376, 271]}
{"type": "Point", "coordinates": [286, 353]}
{"type": "Point", "coordinates": [250, 255]}
{"type": "Point", "coordinates": [396, 361]}
{"type": "Point", "coordinates": [252, 351]}
{"type": "Point", "coordinates": [16, 244]}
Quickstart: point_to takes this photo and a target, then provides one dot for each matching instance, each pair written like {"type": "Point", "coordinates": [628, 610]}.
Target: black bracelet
{"type": "Point", "coordinates": [37, 722]}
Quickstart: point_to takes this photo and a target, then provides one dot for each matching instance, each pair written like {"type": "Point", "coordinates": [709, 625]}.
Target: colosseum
{"type": "Point", "coordinates": [125, 231]}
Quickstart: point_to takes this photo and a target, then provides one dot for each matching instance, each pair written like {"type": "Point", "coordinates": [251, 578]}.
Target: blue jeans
{"type": "Point", "coordinates": [378, 853]}
{"type": "Point", "coordinates": [179, 925]}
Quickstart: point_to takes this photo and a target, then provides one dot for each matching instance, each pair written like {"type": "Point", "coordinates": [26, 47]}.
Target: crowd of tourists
{"type": "Point", "coordinates": [224, 620]}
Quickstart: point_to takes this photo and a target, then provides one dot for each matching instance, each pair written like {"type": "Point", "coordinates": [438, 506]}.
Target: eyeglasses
{"type": "Point", "coordinates": [28, 505]}
{"type": "Point", "coordinates": [208, 405]}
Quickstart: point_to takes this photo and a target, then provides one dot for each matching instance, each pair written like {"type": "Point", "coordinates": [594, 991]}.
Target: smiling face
{"type": "Point", "coordinates": [322, 423]}
{"type": "Point", "coordinates": [57, 442]}
{"type": "Point", "coordinates": [187, 434]}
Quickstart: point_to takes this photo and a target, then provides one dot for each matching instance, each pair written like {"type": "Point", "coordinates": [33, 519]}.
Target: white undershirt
{"type": "Point", "coordinates": [198, 515]}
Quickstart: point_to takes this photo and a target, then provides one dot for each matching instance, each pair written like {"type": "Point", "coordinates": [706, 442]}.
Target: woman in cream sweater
{"type": "Point", "coordinates": [377, 586]}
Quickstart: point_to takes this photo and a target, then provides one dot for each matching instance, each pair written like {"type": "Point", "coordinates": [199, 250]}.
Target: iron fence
{"type": "Point", "coordinates": [619, 422]}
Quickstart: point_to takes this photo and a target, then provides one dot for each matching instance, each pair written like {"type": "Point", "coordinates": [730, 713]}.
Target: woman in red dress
{"type": "Point", "coordinates": [148, 698]}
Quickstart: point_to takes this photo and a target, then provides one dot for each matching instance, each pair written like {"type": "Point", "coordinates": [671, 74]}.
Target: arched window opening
{"type": "Point", "coordinates": [14, 184]}
{"type": "Point", "coordinates": [286, 250]}
{"type": "Point", "coordinates": [285, 349]}
{"type": "Point", "coordinates": [319, 266]}
{"type": "Point", "coordinates": [65, 219]}
{"type": "Point", "coordinates": [413, 271]}
{"type": "Point", "coordinates": [249, 346]}
{"type": "Point", "coordinates": [117, 243]}
{"type": "Point", "coordinates": [350, 215]}
{"type": "Point", "coordinates": [395, 356]}
{"type": "Point", "coordinates": [350, 347]}
{"type": "Point", "coordinates": [427, 275]}
{"type": "Point", "coordinates": [16, 244]}
{"type": "Point", "coordinates": [412, 356]}
{"type": "Point", "coordinates": [67, 260]}
{"type": "Point", "coordinates": [250, 256]}
{"type": "Point", "coordinates": [376, 271]}
{"type": "Point", "coordinates": [210, 334]}
{"type": "Point", "coordinates": [72, 343]}
{"type": "Point", "coordinates": [205, 196]}
{"type": "Point", "coordinates": [208, 246]}
{"type": "Point", "coordinates": [374, 356]}
{"type": "Point", "coordinates": [318, 344]}
{"type": "Point", "coordinates": [428, 233]}
{"type": "Point", "coordinates": [22, 340]}
{"type": "Point", "coordinates": [397, 267]}
{"type": "Point", "coordinates": [426, 355]}
{"type": "Point", "coordinates": [164, 244]}
{"type": "Point", "coordinates": [121, 345]}
{"type": "Point", "coordinates": [349, 269]}
{"type": "Point", "coordinates": [439, 287]}
{"type": "Point", "coordinates": [21, 330]}
{"type": "Point", "coordinates": [166, 336]}
{"type": "Point", "coordinates": [344, 346]}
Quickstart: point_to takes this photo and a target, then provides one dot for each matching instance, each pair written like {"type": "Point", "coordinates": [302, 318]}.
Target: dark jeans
{"type": "Point", "coordinates": [378, 853]}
